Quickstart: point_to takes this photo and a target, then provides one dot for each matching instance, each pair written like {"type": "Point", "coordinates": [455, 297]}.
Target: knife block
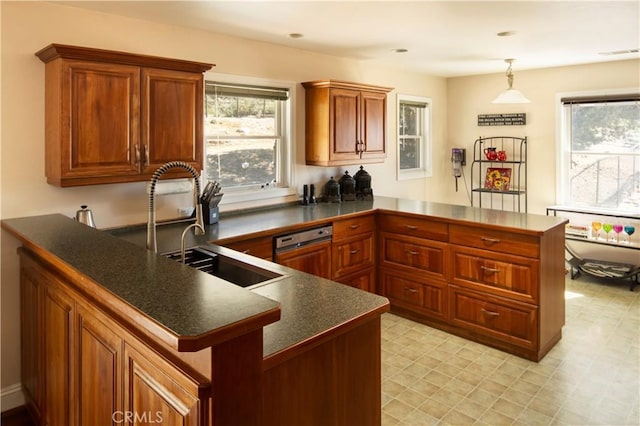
{"type": "Point", "coordinates": [210, 215]}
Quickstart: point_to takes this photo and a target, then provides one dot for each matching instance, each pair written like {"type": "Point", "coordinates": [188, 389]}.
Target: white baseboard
{"type": "Point", "coordinates": [11, 397]}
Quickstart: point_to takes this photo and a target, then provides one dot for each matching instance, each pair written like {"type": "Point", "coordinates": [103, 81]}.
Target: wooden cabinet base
{"type": "Point", "coordinates": [335, 383]}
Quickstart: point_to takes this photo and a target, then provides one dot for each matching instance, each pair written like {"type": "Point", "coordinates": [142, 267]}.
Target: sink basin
{"type": "Point", "coordinates": [239, 273]}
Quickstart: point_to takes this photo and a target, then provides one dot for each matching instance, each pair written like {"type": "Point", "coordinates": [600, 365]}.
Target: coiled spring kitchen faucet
{"type": "Point", "coordinates": [151, 221]}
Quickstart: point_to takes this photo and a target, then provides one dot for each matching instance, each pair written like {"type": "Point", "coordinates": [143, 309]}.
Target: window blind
{"type": "Point", "coordinates": [225, 89]}
{"type": "Point", "coordinates": [623, 97]}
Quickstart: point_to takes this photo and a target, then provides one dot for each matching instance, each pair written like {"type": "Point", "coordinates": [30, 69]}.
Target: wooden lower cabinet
{"type": "Point", "coordinates": [502, 319]}
{"type": "Point", "coordinates": [82, 368]}
{"type": "Point", "coordinates": [495, 286]}
{"type": "Point", "coordinates": [412, 271]}
{"type": "Point", "coordinates": [353, 252]}
{"type": "Point", "coordinates": [363, 280]}
{"type": "Point", "coordinates": [314, 259]}
{"type": "Point", "coordinates": [155, 392]}
{"type": "Point", "coordinates": [98, 368]}
{"type": "Point", "coordinates": [59, 355]}
{"type": "Point", "coordinates": [261, 247]}
{"type": "Point", "coordinates": [31, 340]}
{"type": "Point", "coordinates": [428, 297]}
{"type": "Point", "coordinates": [345, 393]}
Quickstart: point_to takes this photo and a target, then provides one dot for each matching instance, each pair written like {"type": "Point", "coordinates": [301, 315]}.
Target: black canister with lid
{"type": "Point", "coordinates": [347, 187]}
{"type": "Point", "coordinates": [332, 191]}
{"type": "Point", "coordinates": [363, 185]}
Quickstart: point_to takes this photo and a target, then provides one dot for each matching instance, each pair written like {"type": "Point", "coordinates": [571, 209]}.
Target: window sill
{"type": "Point", "coordinates": [414, 174]}
{"type": "Point", "coordinates": [257, 197]}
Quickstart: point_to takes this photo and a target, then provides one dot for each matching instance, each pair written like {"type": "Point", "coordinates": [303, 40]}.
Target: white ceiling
{"type": "Point", "coordinates": [443, 38]}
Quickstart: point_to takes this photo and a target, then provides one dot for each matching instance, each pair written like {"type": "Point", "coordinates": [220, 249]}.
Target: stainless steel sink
{"type": "Point", "coordinates": [221, 266]}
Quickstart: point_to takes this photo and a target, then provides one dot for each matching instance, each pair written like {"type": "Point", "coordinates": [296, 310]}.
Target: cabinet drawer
{"type": "Point", "coordinates": [350, 255]}
{"type": "Point", "coordinates": [500, 274]}
{"type": "Point", "coordinates": [501, 241]}
{"type": "Point", "coordinates": [356, 226]}
{"type": "Point", "coordinates": [261, 247]}
{"type": "Point", "coordinates": [364, 279]}
{"type": "Point", "coordinates": [416, 227]}
{"type": "Point", "coordinates": [427, 297]}
{"type": "Point", "coordinates": [416, 253]}
{"type": "Point", "coordinates": [507, 320]}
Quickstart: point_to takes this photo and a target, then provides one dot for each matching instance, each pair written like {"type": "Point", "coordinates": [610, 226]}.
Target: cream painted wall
{"type": "Point", "coordinates": [29, 26]}
{"type": "Point", "coordinates": [469, 96]}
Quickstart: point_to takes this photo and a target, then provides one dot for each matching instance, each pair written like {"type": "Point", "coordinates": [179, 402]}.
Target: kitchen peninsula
{"type": "Point", "coordinates": [298, 349]}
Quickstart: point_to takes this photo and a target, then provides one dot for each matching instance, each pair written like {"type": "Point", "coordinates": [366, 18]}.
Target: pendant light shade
{"type": "Point", "coordinates": [511, 95]}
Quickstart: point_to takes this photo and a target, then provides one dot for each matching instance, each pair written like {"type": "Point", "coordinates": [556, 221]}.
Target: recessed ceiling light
{"type": "Point", "coordinates": [400, 50]}
{"type": "Point", "coordinates": [620, 52]}
{"type": "Point", "coordinates": [505, 33]}
{"type": "Point", "coordinates": [296, 35]}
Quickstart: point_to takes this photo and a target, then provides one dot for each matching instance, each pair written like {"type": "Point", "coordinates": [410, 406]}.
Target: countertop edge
{"type": "Point", "coordinates": [141, 323]}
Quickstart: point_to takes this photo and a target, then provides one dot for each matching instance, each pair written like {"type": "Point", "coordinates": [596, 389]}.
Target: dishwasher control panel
{"type": "Point", "coordinates": [302, 238]}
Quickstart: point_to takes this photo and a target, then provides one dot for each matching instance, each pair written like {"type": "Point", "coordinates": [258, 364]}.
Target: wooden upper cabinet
{"type": "Point", "coordinates": [93, 129]}
{"type": "Point", "coordinates": [116, 117]}
{"type": "Point", "coordinates": [172, 118]}
{"type": "Point", "coordinates": [345, 123]}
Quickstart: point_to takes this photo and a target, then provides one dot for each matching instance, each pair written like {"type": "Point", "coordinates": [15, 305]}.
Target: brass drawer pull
{"type": "Point", "coordinates": [494, 270]}
{"type": "Point", "coordinates": [490, 313]}
{"type": "Point", "coordinates": [410, 290]}
{"type": "Point", "coordinates": [411, 227]}
{"type": "Point", "coordinates": [354, 226]}
{"type": "Point", "coordinates": [354, 251]}
{"type": "Point", "coordinates": [412, 252]}
{"type": "Point", "coordinates": [490, 240]}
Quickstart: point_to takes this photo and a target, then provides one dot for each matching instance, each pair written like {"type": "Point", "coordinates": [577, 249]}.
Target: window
{"type": "Point", "coordinates": [247, 136]}
{"type": "Point", "coordinates": [414, 147]}
{"type": "Point", "coordinates": [600, 152]}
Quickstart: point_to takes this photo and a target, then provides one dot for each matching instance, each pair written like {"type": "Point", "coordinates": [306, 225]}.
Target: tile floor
{"type": "Point", "coordinates": [591, 377]}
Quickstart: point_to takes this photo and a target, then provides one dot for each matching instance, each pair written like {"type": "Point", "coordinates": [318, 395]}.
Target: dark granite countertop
{"type": "Point", "coordinates": [187, 303]}
{"type": "Point", "coordinates": [191, 303]}
{"type": "Point", "coordinates": [289, 216]}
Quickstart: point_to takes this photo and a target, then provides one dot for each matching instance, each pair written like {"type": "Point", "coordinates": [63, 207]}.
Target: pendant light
{"type": "Point", "coordinates": [511, 95]}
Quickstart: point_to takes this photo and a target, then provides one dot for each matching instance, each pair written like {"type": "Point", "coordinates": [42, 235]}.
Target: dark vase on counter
{"type": "Point", "coordinates": [347, 187]}
{"type": "Point", "coordinates": [332, 191]}
{"type": "Point", "coordinates": [363, 185]}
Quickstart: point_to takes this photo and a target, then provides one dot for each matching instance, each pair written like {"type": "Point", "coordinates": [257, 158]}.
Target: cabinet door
{"type": "Point", "coordinates": [98, 131]}
{"type": "Point", "coordinates": [345, 127]}
{"type": "Point", "coordinates": [58, 356]}
{"type": "Point", "coordinates": [314, 259]}
{"type": "Point", "coordinates": [363, 279]}
{"type": "Point", "coordinates": [99, 368]}
{"type": "Point", "coordinates": [171, 118]}
{"type": "Point", "coordinates": [31, 339]}
{"type": "Point", "coordinates": [156, 392]}
{"type": "Point", "coordinates": [374, 127]}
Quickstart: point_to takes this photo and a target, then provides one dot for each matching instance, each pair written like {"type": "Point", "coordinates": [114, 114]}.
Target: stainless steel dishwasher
{"type": "Point", "coordinates": [308, 250]}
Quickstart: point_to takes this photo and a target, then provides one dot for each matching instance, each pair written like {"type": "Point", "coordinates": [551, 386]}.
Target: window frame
{"type": "Point", "coordinates": [286, 186]}
{"type": "Point", "coordinates": [426, 160]}
{"type": "Point", "coordinates": [563, 142]}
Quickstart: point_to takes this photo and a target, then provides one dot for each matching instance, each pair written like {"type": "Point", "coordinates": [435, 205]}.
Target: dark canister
{"type": "Point", "coordinates": [332, 191]}
{"type": "Point", "coordinates": [347, 187]}
{"type": "Point", "coordinates": [363, 185]}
